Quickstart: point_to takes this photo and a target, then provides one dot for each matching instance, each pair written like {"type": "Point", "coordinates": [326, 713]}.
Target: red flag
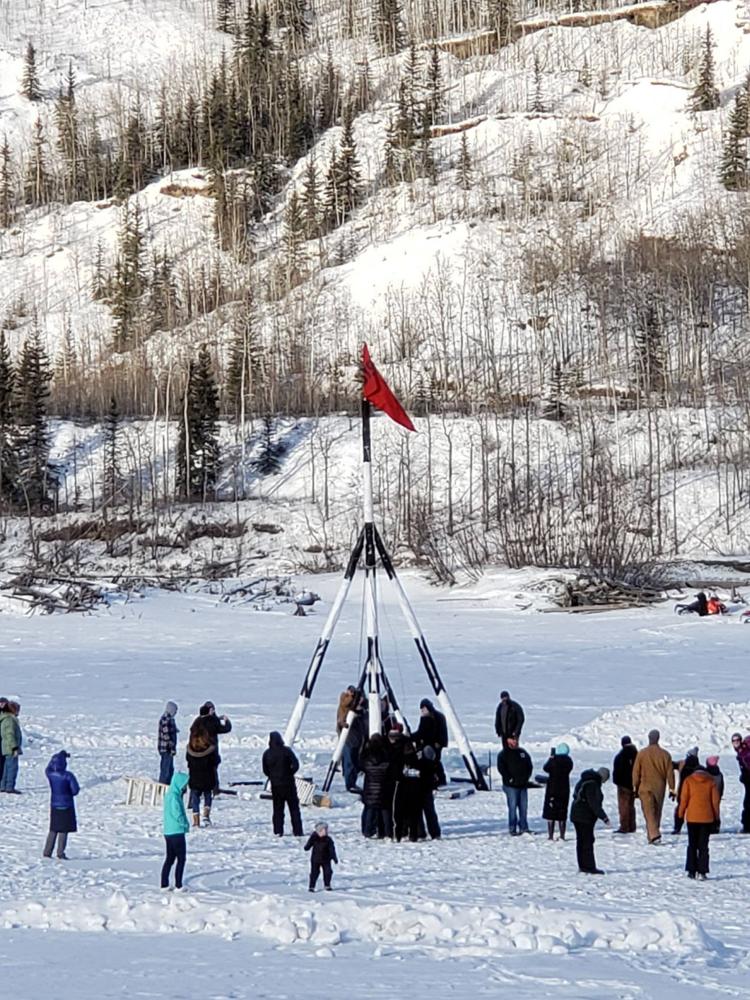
{"type": "Point", "coordinates": [376, 391]}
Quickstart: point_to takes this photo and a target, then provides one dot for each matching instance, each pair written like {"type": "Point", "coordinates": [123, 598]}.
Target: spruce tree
{"type": "Point", "coordinates": [343, 183]}
{"type": "Point", "coordinates": [293, 237]}
{"type": "Point", "coordinates": [465, 168]}
{"type": "Point", "coordinates": [537, 102]}
{"type": "Point", "coordinates": [268, 462]}
{"type": "Point", "coordinates": [311, 201]}
{"type": "Point", "coordinates": [7, 187]}
{"type": "Point", "coordinates": [225, 15]}
{"type": "Point", "coordinates": [128, 282]}
{"type": "Point", "coordinates": [650, 352]}
{"type": "Point", "coordinates": [37, 187]}
{"type": "Point", "coordinates": [391, 166]}
{"type": "Point", "coordinates": [244, 375]}
{"type": "Point", "coordinates": [8, 463]}
{"type": "Point", "coordinates": [30, 88]}
{"type": "Point", "coordinates": [31, 435]}
{"type": "Point", "coordinates": [733, 171]}
{"type": "Point", "coordinates": [198, 451]}
{"type": "Point", "coordinates": [388, 26]}
{"type": "Point", "coordinates": [112, 478]}
{"type": "Point", "coordinates": [68, 139]}
{"type": "Point", "coordinates": [705, 97]}
{"type": "Point", "coordinates": [435, 99]}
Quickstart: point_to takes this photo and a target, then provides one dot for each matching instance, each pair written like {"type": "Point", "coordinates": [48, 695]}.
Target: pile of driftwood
{"type": "Point", "coordinates": [48, 595]}
{"type": "Point", "coordinates": [262, 593]}
{"type": "Point", "coordinates": [586, 593]}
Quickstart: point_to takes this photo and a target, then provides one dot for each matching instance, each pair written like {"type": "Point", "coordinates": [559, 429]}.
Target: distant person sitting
{"type": "Point", "coordinates": [697, 607]}
{"type": "Point", "coordinates": [509, 719]}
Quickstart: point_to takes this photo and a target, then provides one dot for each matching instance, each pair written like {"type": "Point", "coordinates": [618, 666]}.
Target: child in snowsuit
{"type": "Point", "coordinates": [323, 853]}
{"type": "Point", "coordinates": [175, 827]}
{"type": "Point", "coordinates": [62, 813]}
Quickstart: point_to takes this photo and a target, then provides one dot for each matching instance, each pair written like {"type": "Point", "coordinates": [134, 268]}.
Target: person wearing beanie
{"type": "Point", "coordinates": [743, 760]}
{"type": "Point", "coordinates": [557, 790]}
{"type": "Point", "coordinates": [699, 805]}
{"type": "Point", "coordinates": [432, 731]}
{"type": "Point", "coordinates": [587, 808]}
{"type": "Point", "coordinates": [167, 742]}
{"type": "Point", "coordinates": [323, 855]}
{"type": "Point", "coordinates": [622, 776]}
{"type": "Point", "coordinates": [684, 769]}
{"type": "Point", "coordinates": [62, 813]}
{"type": "Point", "coordinates": [509, 719]}
{"type": "Point", "coordinates": [652, 772]}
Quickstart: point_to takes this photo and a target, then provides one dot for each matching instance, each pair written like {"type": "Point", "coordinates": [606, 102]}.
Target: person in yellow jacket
{"type": "Point", "coordinates": [652, 772]}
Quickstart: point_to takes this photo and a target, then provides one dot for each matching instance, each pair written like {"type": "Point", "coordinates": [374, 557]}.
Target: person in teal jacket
{"type": "Point", "coordinates": [175, 827]}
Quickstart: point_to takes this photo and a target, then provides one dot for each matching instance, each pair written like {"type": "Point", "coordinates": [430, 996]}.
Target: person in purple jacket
{"type": "Point", "coordinates": [62, 814]}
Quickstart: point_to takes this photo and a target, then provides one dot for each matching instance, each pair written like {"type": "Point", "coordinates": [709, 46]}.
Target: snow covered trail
{"type": "Point", "coordinates": [495, 912]}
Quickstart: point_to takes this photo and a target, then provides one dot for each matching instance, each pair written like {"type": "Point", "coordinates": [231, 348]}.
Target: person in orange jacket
{"type": "Point", "coordinates": [700, 806]}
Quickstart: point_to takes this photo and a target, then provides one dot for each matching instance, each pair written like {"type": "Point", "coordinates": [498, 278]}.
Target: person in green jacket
{"type": "Point", "coordinates": [175, 827]}
{"type": "Point", "coordinates": [11, 740]}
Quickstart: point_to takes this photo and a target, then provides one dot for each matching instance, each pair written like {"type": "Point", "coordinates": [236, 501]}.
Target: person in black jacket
{"type": "Point", "coordinates": [377, 811]}
{"type": "Point", "coordinates": [280, 766]}
{"type": "Point", "coordinates": [323, 853]}
{"type": "Point", "coordinates": [215, 726]}
{"type": "Point", "coordinates": [515, 768]}
{"type": "Point", "coordinates": [684, 768]}
{"type": "Point", "coordinates": [587, 808]}
{"type": "Point", "coordinates": [509, 719]}
{"type": "Point", "coordinates": [622, 775]}
{"type": "Point", "coordinates": [432, 731]}
{"type": "Point", "coordinates": [557, 790]}
{"type": "Point", "coordinates": [201, 759]}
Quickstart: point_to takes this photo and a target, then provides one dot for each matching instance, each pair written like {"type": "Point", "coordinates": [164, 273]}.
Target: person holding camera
{"type": "Point", "coordinates": [215, 725]}
{"type": "Point", "coordinates": [557, 790]}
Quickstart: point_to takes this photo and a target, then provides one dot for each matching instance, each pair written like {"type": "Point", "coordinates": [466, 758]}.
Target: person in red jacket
{"type": "Point", "coordinates": [700, 806]}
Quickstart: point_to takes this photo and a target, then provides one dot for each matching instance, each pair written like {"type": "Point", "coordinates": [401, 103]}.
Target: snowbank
{"type": "Point", "coordinates": [683, 723]}
{"type": "Point", "coordinates": [463, 930]}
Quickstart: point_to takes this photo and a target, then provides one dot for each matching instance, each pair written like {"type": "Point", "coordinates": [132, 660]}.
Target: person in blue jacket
{"type": "Point", "coordinates": [175, 827]}
{"type": "Point", "coordinates": [62, 814]}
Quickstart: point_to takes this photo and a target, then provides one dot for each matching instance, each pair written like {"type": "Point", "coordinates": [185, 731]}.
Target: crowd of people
{"type": "Point", "coordinates": [646, 776]}
{"type": "Point", "coordinates": [400, 772]}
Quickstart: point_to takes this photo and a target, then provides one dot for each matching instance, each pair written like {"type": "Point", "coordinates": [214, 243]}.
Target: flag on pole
{"type": "Point", "coordinates": [376, 391]}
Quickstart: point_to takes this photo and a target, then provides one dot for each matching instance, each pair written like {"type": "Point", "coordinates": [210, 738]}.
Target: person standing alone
{"type": "Point", "coordinates": [167, 742]}
{"type": "Point", "coordinates": [652, 772]}
{"type": "Point", "coordinates": [11, 738]}
{"type": "Point", "coordinates": [280, 766]}
{"type": "Point", "coordinates": [509, 719]}
{"type": "Point", "coordinates": [62, 813]}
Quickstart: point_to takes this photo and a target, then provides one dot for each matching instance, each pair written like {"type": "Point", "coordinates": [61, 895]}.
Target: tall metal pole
{"type": "Point", "coordinates": [303, 699]}
{"type": "Point", "coordinates": [372, 663]}
{"type": "Point", "coordinates": [457, 730]}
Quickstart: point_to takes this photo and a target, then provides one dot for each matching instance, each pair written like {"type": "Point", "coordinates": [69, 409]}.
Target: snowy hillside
{"type": "Point", "coordinates": [543, 248]}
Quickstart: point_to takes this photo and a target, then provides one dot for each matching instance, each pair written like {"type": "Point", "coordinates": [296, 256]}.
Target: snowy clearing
{"type": "Point", "coordinates": [494, 912]}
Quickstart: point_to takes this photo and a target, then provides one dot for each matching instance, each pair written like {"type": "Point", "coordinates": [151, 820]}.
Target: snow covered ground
{"type": "Point", "coordinates": [496, 914]}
